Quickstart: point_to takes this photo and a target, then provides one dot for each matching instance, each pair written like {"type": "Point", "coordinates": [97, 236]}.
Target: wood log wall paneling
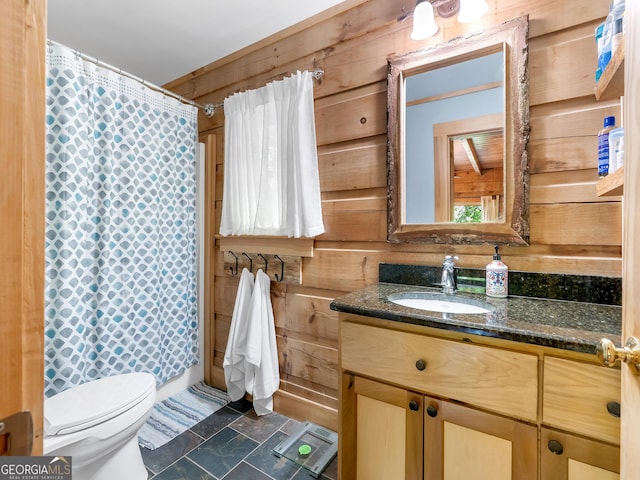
{"type": "Point", "coordinates": [572, 230]}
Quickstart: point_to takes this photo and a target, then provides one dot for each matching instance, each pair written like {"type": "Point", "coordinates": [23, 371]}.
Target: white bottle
{"type": "Point", "coordinates": [617, 10]}
{"type": "Point", "coordinates": [604, 55]}
{"type": "Point", "coordinates": [616, 149]}
{"type": "Point", "coordinates": [497, 277]}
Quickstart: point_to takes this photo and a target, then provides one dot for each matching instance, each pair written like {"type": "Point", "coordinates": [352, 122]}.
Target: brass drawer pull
{"type": "Point", "coordinates": [421, 365]}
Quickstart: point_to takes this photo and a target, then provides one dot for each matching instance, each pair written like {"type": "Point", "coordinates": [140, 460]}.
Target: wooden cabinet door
{"type": "Point", "coordinates": [462, 443]}
{"type": "Point", "coordinates": [568, 457]}
{"type": "Point", "coordinates": [386, 423]}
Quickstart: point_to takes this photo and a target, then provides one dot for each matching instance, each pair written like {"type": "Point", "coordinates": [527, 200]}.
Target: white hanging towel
{"type": "Point", "coordinates": [234, 363]}
{"type": "Point", "coordinates": [262, 377]}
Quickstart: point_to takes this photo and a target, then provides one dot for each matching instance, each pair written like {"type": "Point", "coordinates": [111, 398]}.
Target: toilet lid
{"type": "Point", "coordinates": [95, 402]}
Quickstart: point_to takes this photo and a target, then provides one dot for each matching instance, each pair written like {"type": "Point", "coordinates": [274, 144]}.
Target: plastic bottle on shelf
{"type": "Point", "coordinates": [616, 149]}
{"type": "Point", "coordinates": [598, 36]}
{"type": "Point", "coordinates": [604, 55]}
{"type": "Point", "coordinates": [618, 33]}
{"type": "Point", "coordinates": [603, 146]}
{"type": "Point", "coordinates": [620, 153]}
{"type": "Point", "coordinates": [616, 12]}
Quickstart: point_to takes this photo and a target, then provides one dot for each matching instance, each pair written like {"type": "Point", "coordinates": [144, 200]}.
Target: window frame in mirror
{"type": "Point", "coordinates": [515, 227]}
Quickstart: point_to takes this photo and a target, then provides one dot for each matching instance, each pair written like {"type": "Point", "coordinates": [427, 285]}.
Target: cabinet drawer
{"type": "Point", "coordinates": [575, 398]}
{"type": "Point", "coordinates": [496, 379]}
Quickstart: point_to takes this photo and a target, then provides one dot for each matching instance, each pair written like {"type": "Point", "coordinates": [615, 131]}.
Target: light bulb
{"type": "Point", "coordinates": [471, 10]}
{"type": "Point", "coordinates": [424, 24]}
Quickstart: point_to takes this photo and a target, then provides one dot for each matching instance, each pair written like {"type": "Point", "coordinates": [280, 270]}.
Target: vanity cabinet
{"type": "Point", "coordinates": [407, 408]}
{"type": "Point", "coordinates": [419, 404]}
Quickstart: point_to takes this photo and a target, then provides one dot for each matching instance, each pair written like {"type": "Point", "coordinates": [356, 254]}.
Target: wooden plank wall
{"type": "Point", "coordinates": [572, 231]}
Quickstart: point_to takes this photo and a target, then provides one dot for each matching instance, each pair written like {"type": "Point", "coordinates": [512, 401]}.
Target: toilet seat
{"type": "Point", "coordinates": [95, 402]}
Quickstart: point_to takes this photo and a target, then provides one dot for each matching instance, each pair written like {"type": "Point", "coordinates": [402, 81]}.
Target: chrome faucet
{"type": "Point", "coordinates": [448, 279]}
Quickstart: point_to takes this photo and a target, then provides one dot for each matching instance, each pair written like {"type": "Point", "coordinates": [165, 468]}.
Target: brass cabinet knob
{"type": "Point", "coordinates": [609, 354]}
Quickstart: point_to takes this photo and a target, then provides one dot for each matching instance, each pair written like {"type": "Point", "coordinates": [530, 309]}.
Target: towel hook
{"type": "Point", "coordinates": [266, 265]}
{"type": "Point", "coordinates": [231, 267]}
{"type": "Point", "coordinates": [281, 277]}
{"type": "Point", "coordinates": [250, 261]}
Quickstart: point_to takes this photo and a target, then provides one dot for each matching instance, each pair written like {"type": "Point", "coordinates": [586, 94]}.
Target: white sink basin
{"type": "Point", "coordinates": [438, 303]}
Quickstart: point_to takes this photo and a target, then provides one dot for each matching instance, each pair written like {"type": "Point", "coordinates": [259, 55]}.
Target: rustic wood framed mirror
{"type": "Point", "coordinates": [458, 130]}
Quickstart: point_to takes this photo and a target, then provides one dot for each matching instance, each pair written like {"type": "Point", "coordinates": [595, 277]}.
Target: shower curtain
{"type": "Point", "coordinates": [120, 227]}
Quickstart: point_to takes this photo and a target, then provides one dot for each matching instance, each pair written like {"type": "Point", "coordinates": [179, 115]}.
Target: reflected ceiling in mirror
{"type": "Point", "coordinates": [458, 133]}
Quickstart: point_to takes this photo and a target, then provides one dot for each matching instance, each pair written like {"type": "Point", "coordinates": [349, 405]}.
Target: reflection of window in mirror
{"type": "Point", "coordinates": [467, 214]}
{"type": "Point", "coordinates": [470, 169]}
{"type": "Point", "coordinates": [455, 112]}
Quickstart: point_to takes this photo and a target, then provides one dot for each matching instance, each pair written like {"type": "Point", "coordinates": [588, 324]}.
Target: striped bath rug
{"type": "Point", "coordinates": [178, 413]}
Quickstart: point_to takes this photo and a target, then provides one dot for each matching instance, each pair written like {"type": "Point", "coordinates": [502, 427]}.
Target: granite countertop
{"type": "Point", "coordinates": [568, 325]}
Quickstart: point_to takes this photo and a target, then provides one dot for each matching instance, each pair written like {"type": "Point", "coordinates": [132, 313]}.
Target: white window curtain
{"type": "Point", "coordinates": [271, 182]}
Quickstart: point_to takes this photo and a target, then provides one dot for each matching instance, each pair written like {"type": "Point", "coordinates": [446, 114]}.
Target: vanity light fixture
{"type": "Point", "coordinates": [472, 10]}
{"type": "Point", "coordinates": [424, 23]}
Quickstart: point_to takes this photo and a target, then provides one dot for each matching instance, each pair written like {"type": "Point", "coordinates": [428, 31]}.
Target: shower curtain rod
{"type": "Point", "coordinates": [317, 74]}
{"type": "Point", "coordinates": [208, 109]}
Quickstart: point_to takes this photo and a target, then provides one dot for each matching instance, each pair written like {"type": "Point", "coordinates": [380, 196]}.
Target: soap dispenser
{"type": "Point", "coordinates": [497, 277]}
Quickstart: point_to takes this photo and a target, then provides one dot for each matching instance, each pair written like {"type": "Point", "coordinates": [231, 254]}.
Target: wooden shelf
{"type": "Point", "coordinates": [612, 185]}
{"type": "Point", "coordinates": [610, 86]}
{"type": "Point", "coordinates": [611, 83]}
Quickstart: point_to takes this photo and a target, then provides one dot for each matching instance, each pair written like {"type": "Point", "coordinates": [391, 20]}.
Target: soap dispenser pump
{"type": "Point", "coordinates": [497, 277]}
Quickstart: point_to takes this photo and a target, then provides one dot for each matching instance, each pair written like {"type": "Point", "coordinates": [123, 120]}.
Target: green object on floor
{"type": "Point", "coordinates": [304, 450]}
{"type": "Point", "coordinates": [311, 446]}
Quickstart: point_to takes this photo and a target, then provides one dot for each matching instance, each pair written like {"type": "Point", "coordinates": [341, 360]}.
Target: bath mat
{"type": "Point", "coordinates": [178, 413]}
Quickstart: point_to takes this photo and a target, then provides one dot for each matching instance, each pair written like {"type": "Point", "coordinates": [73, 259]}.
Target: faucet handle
{"type": "Point", "coordinates": [451, 259]}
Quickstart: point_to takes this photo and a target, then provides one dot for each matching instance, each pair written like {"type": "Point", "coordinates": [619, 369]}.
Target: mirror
{"type": "Point", "coordinates": [458, 129]}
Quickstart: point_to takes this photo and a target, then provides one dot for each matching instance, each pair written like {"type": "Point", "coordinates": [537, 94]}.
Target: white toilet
{"type": "Point", "coordinates": [97, 425]}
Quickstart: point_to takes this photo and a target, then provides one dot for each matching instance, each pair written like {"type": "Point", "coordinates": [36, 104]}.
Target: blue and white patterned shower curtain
{"type": "Point", "coordinates": [120, 227]}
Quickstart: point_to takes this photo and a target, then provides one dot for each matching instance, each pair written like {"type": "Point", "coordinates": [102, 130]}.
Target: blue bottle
{"type": "Point", "coordinates": [603, 146]}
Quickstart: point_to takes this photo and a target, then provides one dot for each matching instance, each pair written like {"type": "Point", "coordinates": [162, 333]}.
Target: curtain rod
{"type": "Point", "coordinates": [208, 109]}
{"type": "Point", "coordinates": [317, 74]}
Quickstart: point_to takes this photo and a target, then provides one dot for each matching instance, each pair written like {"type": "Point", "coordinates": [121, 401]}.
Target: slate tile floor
{"type": "Point", "coordinates": [231, 444]}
